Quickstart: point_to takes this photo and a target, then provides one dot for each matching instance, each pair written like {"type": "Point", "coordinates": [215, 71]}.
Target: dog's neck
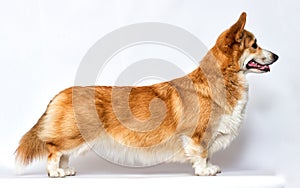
{"type": "Point", "coordinates": [225, 84]}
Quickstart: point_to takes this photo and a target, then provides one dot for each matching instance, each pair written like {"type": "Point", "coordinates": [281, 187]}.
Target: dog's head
{"type": "Point", "coordinates": [241, 46]}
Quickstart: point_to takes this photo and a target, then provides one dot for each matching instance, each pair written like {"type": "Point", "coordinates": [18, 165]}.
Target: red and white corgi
{"type": "Point", "coordinates": [183, 120]}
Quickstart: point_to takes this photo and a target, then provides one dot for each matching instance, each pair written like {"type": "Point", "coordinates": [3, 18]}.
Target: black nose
{"type": "Point", "coordinates": [275, 57]}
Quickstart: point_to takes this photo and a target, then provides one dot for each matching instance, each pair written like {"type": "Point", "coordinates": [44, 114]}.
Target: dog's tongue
{"type": "Point", "coordinates": [259, 66]}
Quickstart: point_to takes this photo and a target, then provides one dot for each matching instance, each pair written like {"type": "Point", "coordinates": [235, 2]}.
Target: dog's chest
{"type": "Point", "coordinates": [229, 125]}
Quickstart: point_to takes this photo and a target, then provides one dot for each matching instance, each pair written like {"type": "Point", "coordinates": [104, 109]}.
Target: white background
{"type": "Point", "coordinates": [43, 42]}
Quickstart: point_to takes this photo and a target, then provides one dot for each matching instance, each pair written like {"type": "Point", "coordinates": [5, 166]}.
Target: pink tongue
{"type": "Point", "coordinates": [253, 64]}
{"type": "Point", "coordinates": [261, 67]}
{"type": "Point", "coordinates": [265, 67]}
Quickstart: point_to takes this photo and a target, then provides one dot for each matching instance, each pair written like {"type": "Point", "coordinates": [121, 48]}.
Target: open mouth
{"type": "Point", "coordinates": [254, 65]}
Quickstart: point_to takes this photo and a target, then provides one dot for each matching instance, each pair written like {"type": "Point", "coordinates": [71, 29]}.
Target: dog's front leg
{"type": "Point", "coordinates": [198, 156]}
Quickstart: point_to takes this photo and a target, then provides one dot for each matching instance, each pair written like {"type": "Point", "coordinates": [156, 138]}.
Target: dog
{"type": "Point", "coordinates": [183, 120]}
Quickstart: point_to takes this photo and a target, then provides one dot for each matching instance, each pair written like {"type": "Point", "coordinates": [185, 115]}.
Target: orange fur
{"type": "Point", "coordinates": [144, 117]}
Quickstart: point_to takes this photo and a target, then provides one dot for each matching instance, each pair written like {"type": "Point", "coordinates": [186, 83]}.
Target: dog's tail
{"type": "Point", "coordinates": [31, 147]}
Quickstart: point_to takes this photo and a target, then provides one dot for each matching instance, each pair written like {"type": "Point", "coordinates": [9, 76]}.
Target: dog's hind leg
{"type": "Point", "coordinates": [54, 171]}
{"type": "Point", "coordinates": [58, 163]}
{"type": "Point", "coordinates": [64, 164]}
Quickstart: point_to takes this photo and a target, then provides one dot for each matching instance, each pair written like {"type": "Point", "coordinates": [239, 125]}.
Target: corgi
{"type": "Point", "coordinates": [183, 120]}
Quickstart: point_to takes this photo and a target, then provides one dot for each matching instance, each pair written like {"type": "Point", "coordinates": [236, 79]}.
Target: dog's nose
{"type": "Point", "coordinates": [275, 57]}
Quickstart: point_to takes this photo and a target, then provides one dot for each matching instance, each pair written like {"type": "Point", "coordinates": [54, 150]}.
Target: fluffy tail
{"type": "Point", "coordinates": [30, 147]}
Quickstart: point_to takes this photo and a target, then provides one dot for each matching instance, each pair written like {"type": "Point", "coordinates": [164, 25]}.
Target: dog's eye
{"type": "Point", "coordinates": [254, 45]}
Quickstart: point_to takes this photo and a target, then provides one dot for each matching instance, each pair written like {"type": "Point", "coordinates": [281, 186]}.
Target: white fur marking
{"type": "Point", "coordinates": [229, 126]}
{"type": "Point", "coordinates": [209, 170]}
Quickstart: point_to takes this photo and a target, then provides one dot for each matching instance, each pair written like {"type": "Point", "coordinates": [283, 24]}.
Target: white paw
{"type": "Point", "coordinates": [70, 171]}
{"type": "Point", "coordinates": [214, 167]}
{"type": "Point", "coordinates": [57, 173]}
{"type": "Point", "coordinates": [210, 170]}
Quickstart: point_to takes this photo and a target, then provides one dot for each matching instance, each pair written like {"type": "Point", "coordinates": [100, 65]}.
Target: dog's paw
{"type": "Point", "coordinates": [214, 167]}
{"type": "Point", "coordinates": [70, 171]}
{"type": "Point", "coordinates": [210, 170]}
{"type": "Point", "coordinates": [57, 173]}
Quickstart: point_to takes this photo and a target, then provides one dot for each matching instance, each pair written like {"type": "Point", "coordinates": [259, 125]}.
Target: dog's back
{"type": "Point", "coordinates": [183, 120]}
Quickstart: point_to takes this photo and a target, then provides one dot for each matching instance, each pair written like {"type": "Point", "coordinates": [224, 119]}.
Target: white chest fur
{"type": "Point", "coordinates": [229, 126]}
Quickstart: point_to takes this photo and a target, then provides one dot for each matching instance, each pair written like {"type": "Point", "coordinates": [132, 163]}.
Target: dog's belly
{"type": "Point", "coordinates": [229, 126]}
{"type": "Point", "coordinates": [109, 149]}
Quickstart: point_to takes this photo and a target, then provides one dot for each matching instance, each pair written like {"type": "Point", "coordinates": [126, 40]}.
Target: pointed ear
{"type": "Point", "coordinates": [236, 30]}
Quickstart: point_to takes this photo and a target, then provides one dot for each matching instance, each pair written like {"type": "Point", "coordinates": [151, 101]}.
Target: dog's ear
{"type": "Point", "coordinates": [236, 30]}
